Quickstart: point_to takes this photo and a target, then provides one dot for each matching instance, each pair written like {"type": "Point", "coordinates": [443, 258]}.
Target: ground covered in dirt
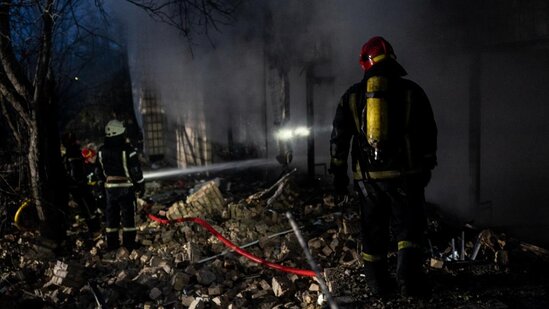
{"type": "Point", "coordinates": [182, 264]}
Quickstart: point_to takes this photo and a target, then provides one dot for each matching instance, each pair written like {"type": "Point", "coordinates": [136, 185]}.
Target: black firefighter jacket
{"type": "Point", "coordinates": [412, 138]}
{"type": "Point", "coordinates": [120, 160]}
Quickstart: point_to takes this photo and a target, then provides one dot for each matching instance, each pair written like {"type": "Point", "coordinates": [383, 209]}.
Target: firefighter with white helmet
{"type": "Point", "coordinates": [388, 124]}
{"type": "Point", "coordinates": [123, 179]}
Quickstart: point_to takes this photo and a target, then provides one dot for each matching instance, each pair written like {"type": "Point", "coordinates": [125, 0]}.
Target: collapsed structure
{"type": "Point", "coordinates": [182, 265]}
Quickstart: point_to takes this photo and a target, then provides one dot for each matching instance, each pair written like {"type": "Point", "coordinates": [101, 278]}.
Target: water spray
{"type": "Point", "coordinates": [174, 172]}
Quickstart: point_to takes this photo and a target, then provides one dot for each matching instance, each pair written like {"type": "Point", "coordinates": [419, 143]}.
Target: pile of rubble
{"type": "Point", "coordinates": [182, 265]}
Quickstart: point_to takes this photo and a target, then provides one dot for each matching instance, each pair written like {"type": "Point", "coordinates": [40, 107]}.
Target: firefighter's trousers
{"type": "Point", "coordinates": [83, 197]}
{"type": "Point", "coordinates": [392, 205]}
{"type": "Point", "coordinates": [120, 208]}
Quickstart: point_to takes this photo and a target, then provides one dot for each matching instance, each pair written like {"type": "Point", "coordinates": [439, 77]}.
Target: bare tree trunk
{"type": "Point", "coordinates": [45, 165]}
{"type": "Point", "coordinates": [34, 170]}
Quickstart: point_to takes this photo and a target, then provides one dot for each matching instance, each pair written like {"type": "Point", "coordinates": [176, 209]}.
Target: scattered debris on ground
{"type": "Point", "coordinates": [182, 265]}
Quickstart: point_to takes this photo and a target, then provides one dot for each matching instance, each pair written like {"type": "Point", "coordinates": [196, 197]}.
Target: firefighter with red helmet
{"type": "Point", "coordinates": [93, 176]}
{"type": "Point", "coordinates": [123, 179]}
{"type": "Point", "coordinates": [77, 182]}
{"type": "Point", "coordinates": [387, 124]}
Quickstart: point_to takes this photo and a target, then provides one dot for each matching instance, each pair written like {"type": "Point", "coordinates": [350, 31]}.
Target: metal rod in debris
{"type": "Point", "coordinates": [462, 253]}
{"type": "Point", "coordinates": [476, 248]}
{"type": "Point", "coordinates": [311, 261]}
{"type": "Point", "coordinates": [431, 247]}
{"type": "Point", "coordinates": [454, 255]}
{"type": "Point", "coordinates": [99, 299]}
{"type": "Point", "coordinates": [243, 246]}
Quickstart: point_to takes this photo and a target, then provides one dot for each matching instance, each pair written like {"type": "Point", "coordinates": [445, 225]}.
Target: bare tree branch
{"type": "Point", "coordinates": [43, 64]}
{"type": "Point", "coordinates": [12, 97]}
{"type": "Point", "coordinates": [10, 121]}
{"type": "Point", "coordinates": [190, 16]}
{"type": "Point", "coordinates": [9, 62]}
{"type": "Point", "coordinates": [79, 26]}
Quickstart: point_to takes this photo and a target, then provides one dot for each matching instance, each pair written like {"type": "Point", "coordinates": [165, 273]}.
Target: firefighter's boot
{"type": "Point", "coordinates": [410, 277]}
{"type": "Point", "coordinates": [94, 228]}
{"type": "Point", "coordinates": [377, 278]}
{"type": "Point", "coordinates": [128, 239]}
{"type": "Point", "coordinates": [113, 241]}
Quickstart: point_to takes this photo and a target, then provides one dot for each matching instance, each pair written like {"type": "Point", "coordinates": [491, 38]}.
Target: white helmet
{"type": "Point", "coordinates": [114, 128]}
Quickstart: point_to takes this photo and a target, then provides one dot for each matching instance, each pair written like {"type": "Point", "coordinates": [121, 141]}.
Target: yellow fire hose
{"type": "Point", "coordinates": [24, 205]}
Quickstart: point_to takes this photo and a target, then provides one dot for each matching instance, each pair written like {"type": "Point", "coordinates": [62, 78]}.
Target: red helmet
{"type": "Point", "coordinates": [88, 153]}
{"type": "Point", "coordinates": [375, 50]}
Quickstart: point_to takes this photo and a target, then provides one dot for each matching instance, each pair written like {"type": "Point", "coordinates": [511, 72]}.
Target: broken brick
{"type": "Point", "coordinates": [155, 293]}
{"type": "Point", "coordinates": [214, 291]}
{"type": "Point", "coordinates": [281, 285]}
{"type": "Point", "coordinates": [198, 303]}
{"type": "Point", "coordinates": [436, 263]}
{"type": "Point", "coordinates": [205, 277]}
{"type": "Point", "coordinates": [187, 300]}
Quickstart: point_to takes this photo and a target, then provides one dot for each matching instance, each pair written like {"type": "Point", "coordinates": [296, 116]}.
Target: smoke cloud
{"type": "Point", "coordinates": [436, 43]}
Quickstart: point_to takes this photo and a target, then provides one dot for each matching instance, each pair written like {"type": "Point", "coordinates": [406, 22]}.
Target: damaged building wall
{"type": "Point", "coordinates": [192, 147]}
{"type": "Point", "coordinates": [513, 46]}
{"type": "Point", "coordinates": [514, 151]}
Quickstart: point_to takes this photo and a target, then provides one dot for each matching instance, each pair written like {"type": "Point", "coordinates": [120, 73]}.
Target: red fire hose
{"type": "Point", "coordinates": [228, 243]}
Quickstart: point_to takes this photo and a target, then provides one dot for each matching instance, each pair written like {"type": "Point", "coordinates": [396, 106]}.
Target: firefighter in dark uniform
{"type": "Point", "coordinates": [77, 182]}
{"type": "Point", "coordinates": [94, 178]}
{"type": "Point", "coordinates": [390, 124]}
{"type": "Point", "coordinates": [123, 179]}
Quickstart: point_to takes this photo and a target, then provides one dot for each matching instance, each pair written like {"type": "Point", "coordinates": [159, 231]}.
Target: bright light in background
{"type": "Point", "coordinates": [302, 131]}
{"type": "Point", "coordinates": [284, 134]}
{"type": "Point", "coordinates": [287, 134]}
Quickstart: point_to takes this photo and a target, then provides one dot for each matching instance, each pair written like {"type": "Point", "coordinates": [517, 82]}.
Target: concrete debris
{"type": "Point", "coordinates": [350, 225]}
{"type": "Point", "coordinates": [536, 250]}
{"type": "Point", "coordinates": [502, 258]}
{"type": "Point", "coordinates": [260, 294]}
{"type": "Point", "coordinates": [182, 265]}
{"type": "Point", "coordinates": [187, 300]}
{"type": "Point", "coordinates": [198, 303]}
{"type": "Point", "coordinates": [192, 252]}
{"type": "Point", "coordinates": [491, 240]}
{"type": "Point", "coordinates": [215, 290]}
{"type": "Point", "coordinates": [122, 254]}
{"type": "Point", "coordinates": [331, 275]}
{"type": "Point", "coordinates": [281, 286]}
{"type": "Point", "coordinates": [205, 277]}
{"type": "Point", "coordinates": [327, 251]}
{"type": "Point", "coordinates": [204, 203]}
{"type": "Point", "coordinates": [180, 280]}
{"type": "Point", "coordinates": [67, 275]}
{"type": "Point", "coordinates": [314, 287]}
{"type": "Point", "coordinates": [264, 285]}
{"type": "Point", "coordinates": [436, 263]}
{"type": "Point", "coordinates": [275, 187]}
{"type": "Point", "coordinates": [155, 293]}
{"type": "Point", "coordinates": [134, 255]}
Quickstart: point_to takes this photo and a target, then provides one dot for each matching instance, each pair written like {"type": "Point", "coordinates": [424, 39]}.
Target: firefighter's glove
{"type": "Point", "coordinates": [341, 193]}
{"type": "Point", "coordinates": [140, 189]}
